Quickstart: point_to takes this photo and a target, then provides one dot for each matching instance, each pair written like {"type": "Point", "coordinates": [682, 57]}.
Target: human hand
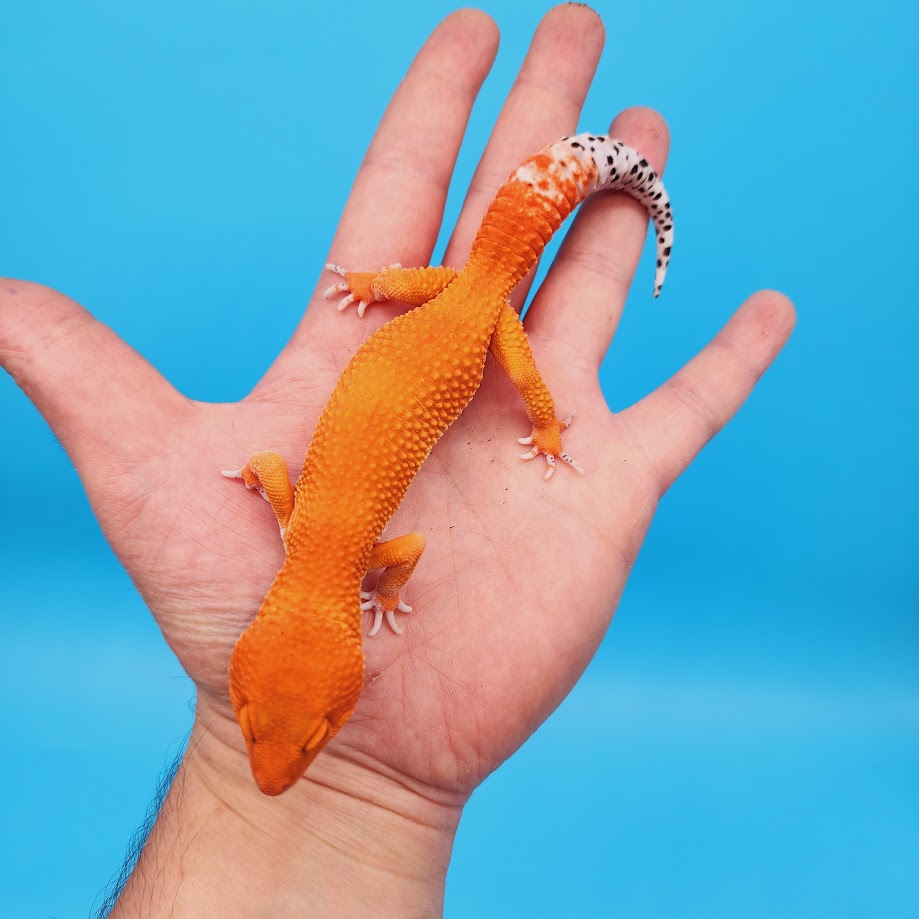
{"type": "Point", "coordinates": [520, 577]}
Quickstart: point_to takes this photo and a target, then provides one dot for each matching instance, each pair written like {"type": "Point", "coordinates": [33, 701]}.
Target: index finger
{"type": "Point", "coordinates": [397, 201]}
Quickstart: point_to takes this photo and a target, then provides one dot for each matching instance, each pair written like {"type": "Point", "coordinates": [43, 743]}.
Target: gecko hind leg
{"type": "Point", "coordinates": [397, 557]}
{"type": "Point", "coordinates": [266, 473]}
{"type": "Point", "coordinates": [511, 349]}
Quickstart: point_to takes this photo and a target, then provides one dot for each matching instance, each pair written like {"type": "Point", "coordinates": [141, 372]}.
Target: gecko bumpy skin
{"type": "Point", "coordinates": [297, 671]}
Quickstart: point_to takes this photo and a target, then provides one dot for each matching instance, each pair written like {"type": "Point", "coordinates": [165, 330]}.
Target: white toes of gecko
{"type": "Point", "coordinates": [535, 451]}
{"type": "Point", "coordinates": [375, 603]}
{"type": "Point", "coordinates": [343, 287]}
{"type": "Point", "coordinates": [340, 288]}
{"type": "Point", "coordinates": [574, 464]}
{"type": "Point", "coordinates": [238, 474]}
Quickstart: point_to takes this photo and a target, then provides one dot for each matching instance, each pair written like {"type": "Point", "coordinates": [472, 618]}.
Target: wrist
{"type": "Point", "coordinates": [346, 840]}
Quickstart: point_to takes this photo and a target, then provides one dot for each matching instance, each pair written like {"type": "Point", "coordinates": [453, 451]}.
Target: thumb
{"type": "Point", "coordinates": [101, 399]}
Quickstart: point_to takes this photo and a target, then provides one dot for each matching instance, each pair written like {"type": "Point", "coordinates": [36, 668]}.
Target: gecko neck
{"type": "Point", "coordinates": [314, 586]}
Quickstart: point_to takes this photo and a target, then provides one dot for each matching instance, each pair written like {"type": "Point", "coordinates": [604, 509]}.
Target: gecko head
{"type": "Point", "coordinates": [290, 702]}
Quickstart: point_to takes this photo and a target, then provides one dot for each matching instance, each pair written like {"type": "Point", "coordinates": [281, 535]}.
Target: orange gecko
{"type": "Point", "coordinates": [297, 671]}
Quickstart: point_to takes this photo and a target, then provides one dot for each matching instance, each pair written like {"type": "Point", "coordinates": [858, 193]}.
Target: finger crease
{"type": "Point", "coordinates": [432, 175]}
{"type": "Point", "coordinates": [696, 404]}
{"type": "Point", "coordinates": [577, 100]}
{"type": "Point", "coordinates": [468, 91]}
{"type": "Point", "coordinates": [721, 340]}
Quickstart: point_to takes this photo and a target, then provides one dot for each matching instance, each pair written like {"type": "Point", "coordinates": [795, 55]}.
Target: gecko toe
{"type": "Point", "coordinates": [335, 289]}
{"type": "Point", "coordinates": [546, 441]}
{"type": "Point", "coordinates": [385, 606]}
{"type": "Point", "coordinates": [574, 464]}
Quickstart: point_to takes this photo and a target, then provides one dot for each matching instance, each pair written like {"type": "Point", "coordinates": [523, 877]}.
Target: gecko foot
{"type": "Point", "coordinates": [383, 606]}
{"type": "Point", "coordinates": [266, 473]}
{"type": "Point", "coordinates": [549, 443]}
{"type": "Point", "coordinates": [357, 287]}
{"type": "Point", "coordinates": [251, 480]}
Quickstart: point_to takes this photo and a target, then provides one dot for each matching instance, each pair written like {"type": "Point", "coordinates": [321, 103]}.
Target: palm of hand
{"type": "Point", "coordinates": [520, 577]}
{"type": "Point", "coordinates": [516, 586]}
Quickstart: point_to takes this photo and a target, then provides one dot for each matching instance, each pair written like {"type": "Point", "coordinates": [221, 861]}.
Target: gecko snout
{"type": "Point", "coordinates": [281, 751]}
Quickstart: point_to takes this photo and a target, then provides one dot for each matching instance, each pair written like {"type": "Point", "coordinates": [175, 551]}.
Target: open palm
{"type": "Point", "coordinates": [520, 577]}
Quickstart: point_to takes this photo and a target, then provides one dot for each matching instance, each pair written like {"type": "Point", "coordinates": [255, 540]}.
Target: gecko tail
{"type": "Point", "coordinates": [622, 168]}
{"type": "Point", "coordinates": [550, 184]}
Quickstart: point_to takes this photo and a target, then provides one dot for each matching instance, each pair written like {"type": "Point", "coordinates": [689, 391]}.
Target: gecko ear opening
{"type": "Point", "coordinates": [246, 724]}
{"type": "Point", "coordinates": [317, 737]}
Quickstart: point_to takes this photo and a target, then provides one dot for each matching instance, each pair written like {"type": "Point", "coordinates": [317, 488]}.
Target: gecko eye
{"type": "Point", "coordinates": [246, 725]}
{"type": "Point", "coordinates": [316, 737]}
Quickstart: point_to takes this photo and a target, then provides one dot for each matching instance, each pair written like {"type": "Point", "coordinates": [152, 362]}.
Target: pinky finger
{"type": "Point", "coordinates": [679, 418]}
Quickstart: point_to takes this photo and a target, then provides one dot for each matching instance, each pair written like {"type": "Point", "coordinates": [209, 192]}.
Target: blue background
{"type": "Point", "coordinates": [745, 742]}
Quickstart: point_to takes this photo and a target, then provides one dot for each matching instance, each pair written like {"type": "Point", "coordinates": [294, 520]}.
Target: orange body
{"type": "Point", "coordinates": [297, 671]}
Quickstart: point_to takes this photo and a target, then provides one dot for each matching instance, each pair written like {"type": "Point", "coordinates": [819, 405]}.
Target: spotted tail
{"type": "Point", "coordinates": [544, 190]}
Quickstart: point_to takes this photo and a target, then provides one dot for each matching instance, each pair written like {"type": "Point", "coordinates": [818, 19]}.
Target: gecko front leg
{"type": "Point", "coordinates": [266, 472]}
{"type": "Point", "coordinates": [397, 557]}
{"type": "Point", "coordinates": [511, 349]}
{"type": "Point", "coordinates": [414, 286]}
